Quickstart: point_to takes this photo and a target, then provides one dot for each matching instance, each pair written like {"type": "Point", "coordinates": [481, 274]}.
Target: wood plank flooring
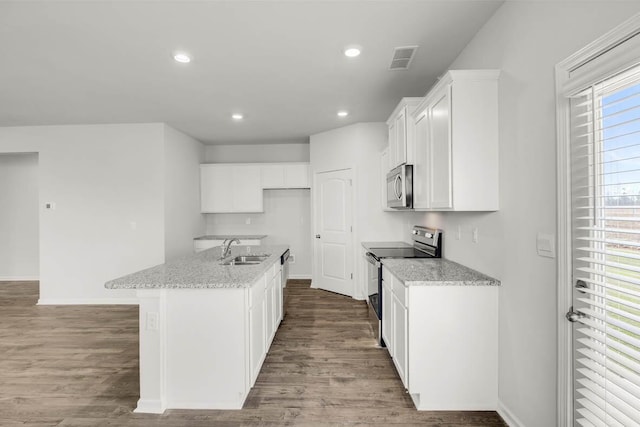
{"type": "Point", "coordinates": [78, 366]}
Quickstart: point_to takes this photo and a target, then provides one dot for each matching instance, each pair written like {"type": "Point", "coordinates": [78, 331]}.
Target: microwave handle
{"type": "Point", "coordinates": [396, 189]}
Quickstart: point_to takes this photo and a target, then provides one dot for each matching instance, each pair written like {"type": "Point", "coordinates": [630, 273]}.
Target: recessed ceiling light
{"type": "Point", "coordinates": [343, 113]}
{"type": "Point", "coordinates": [182, 57]}
{"type": "Point", "coordinates": [237, 116]}
{"type": "Point", "coordinates": [352, 51]}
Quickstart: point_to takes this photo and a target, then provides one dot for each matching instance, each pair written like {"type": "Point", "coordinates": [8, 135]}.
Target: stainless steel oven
{"type": "Point", "coordinates": [427, 243]}
{"type": "Point", "coordinates": [374, 292]}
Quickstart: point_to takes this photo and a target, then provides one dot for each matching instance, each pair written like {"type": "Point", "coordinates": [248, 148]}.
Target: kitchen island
{"type": "Point", "coordinates": [205, 327]}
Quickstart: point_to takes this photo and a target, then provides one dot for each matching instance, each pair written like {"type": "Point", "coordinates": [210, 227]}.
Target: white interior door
{"type": "Point", "coordinates": [333, 232]}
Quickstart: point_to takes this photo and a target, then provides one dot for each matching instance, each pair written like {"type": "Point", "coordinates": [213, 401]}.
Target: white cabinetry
{"type": "Point", "coordinates": [257, 329]}
{"type": "Point", "coordinates": [401, 133]}
{"type": "Point", "coordinates": [444, 343]}
{"type": "Point", "coordinates": [286, 175]}
{"type": "Point", "coordinates": [456, 143]}
{"type": "Point", "coordinates": [228, 188]}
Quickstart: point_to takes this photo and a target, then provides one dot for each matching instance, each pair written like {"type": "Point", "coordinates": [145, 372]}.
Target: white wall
{"type": "Point", "coordinates": [286, 220]}
{"type": "Point", "coordinates": [107, 183]}
{"type": "Point", "coordinates": [525, 40]}
{"type": "Point", "coordinates": [19, 253]}
{"type": "Point", "coordinates": [183, 220]}
{"type": "Point", "coordinates": [358, 147]}
{"type": "Point", "coordinates": [257, 153]}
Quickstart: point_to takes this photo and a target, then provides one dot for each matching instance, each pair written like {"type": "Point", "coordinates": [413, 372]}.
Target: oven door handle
{"type": "Point", "coordinates": [372, 260]}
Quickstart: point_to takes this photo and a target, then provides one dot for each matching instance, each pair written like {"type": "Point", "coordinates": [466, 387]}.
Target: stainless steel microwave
{"type": "Point", "coordinates": [400, 187]}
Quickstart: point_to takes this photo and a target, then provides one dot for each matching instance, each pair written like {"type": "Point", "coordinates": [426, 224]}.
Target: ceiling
{"type": "Point", "coordinates": [280, 63]}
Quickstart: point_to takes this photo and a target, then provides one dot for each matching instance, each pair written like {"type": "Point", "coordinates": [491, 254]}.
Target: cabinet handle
{"type": "Point", "coordinates": [396, 188]}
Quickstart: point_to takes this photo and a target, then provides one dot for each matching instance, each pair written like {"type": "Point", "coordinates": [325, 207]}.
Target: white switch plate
{"type": "Point", "coordinates": [546, 245]}
{"type": "Point", "coordinates": [459, 233]}
{"type": "Point", "coordinates": [152, 321]}
{"type": "Point", "coordinates": [474, 236]}
{"type": "Point", "coordinates": [248, 220]}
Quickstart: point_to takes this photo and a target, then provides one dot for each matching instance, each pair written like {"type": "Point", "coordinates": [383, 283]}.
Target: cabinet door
{"type": "Point", "coordinates": [387, 317]}
{"type": "Point", "coordinates": [393, 148]}
{"type": "Point", "coordinates": [401, 138]}
{"type": "Point", "coordinates": [296, 176]}
{"type": "Point", "coordinates": [257, 341]}
{"type": "Point", "coordinates": [439, 155]}
{"type": "Point", "coordinates": [216, 192]}
{"type": "Point", "coordinates": [272, 176]}
{"type": "Point", "coordinates": [247, 188]}
{"type": "Point", "coordinates": [270, 313]}
{"type": "Point", "coordinates": [400, 348]}
{"type": "Point", "coordinates": [278, 300]}
{"type": "Point", "coordinates": [421, 163]}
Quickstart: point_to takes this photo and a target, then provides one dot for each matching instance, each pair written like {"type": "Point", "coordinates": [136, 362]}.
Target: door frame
{"type": "Point", "coordinates": [314, 204]}
{"type": "Point", "coordinates": [608, 41]}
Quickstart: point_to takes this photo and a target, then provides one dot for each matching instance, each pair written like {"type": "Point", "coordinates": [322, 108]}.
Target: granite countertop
{"type": "Point", "coordinates": [230, 236]}
{"type": "Point", "coordinates": [202, 271]}
{"type": "Point", "coordinates": [435, 272]}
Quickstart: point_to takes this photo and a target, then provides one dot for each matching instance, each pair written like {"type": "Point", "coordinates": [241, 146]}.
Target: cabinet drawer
{"type": "Point", "coordinates": [400, 291]}
{"type": "Point", "coordinates": [387, 277]}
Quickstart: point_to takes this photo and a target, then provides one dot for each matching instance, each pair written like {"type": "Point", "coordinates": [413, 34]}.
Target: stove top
{"type": "Point", "coordinates": [407, 252]}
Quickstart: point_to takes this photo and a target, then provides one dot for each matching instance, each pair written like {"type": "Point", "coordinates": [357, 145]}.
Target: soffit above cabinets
{"type": "Point", "coordinates": [279, 63]}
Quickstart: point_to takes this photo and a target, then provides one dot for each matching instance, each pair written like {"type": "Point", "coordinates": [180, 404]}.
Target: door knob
{"type": "Point", "coordinates": [317, 236]}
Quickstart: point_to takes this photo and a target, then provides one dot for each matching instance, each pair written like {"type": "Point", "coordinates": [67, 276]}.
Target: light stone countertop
{"type": "Point", "coordinates": [230, 236]}
{"type": "Point", "coordinates": [202, 270]}
{"type": "Point", "coordinates": [435, 272]}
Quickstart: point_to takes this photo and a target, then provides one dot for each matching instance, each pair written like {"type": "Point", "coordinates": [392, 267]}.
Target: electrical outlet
{"type": "Point", "coordinates": [474, 237]}
{"type": "Point", "coordinates": [459, 233]}
{"type": "Point", "coordinates": [292, 259]}
{"type": "Point", "coordinates": [248, 220]}
{"type": "Point", "coordinates": [152, 321]}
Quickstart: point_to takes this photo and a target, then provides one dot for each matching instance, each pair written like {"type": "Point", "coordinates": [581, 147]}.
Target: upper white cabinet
{"type": "Point", "coordinates": [237, 187]}
{"type": "Point", "coordinates": [401, 133]}
{"type": "Point", "coordinates": [286, 175]}
{"type": "Point", "coordinates": [230, 188]}
{"type": "Point", "coordinates": [456, 143]}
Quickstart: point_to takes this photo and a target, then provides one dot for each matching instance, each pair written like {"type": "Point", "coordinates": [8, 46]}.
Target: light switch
{"type": "Point", "coordinates": [546, 245]}
{"type": "Point", "coordinates": [474, 236]}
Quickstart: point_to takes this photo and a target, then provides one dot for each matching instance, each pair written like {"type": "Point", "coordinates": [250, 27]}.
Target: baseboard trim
{"type": "Point", "coordinates": [88, 301]}
{"type": "Point", "coordinates": [147, 406]}
{"type": "Point", "coordinates": [19, 278]}
{"type": "Point", "coordinates": [300, 276]}
{"type": "Point", "coordinates": [507, 415]}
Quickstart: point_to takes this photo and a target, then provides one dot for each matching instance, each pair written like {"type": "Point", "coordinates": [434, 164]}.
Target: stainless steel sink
{"type": "Point", "coordinates": [246, 260]}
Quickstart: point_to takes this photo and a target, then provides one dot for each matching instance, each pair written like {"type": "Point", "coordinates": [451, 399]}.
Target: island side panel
{"type": "Point", "coordinates": [152, 315]}
{"type": "Point", "coordinates": [206, 348]}
{"type": "Point", "coordinates": [453, 347]}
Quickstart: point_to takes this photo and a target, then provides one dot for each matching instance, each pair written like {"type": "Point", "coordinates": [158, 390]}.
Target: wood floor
{"type": "Point", "coordinates": [78, 366]}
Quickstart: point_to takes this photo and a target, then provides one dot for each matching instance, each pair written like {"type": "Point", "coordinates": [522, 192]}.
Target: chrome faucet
{"type": "Point", "coordinates": [226, 247]}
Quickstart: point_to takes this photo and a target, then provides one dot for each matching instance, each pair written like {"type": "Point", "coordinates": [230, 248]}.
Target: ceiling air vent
{"type": "Point", "coordinates": [402, 57]}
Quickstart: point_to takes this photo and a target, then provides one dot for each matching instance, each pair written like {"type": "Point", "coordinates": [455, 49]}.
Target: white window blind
{"type": "Point", "coordinates": [605, 191]}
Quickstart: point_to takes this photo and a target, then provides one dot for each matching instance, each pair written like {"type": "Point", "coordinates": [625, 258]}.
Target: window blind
{"type": "Point", "coordinates": [605, 192]}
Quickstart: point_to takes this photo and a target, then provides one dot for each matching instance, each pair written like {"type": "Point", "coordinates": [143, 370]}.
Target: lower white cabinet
{"type": "Point", "coordinates": [400, 342]}
{"type": "Point", "coordinates": [444, 343]}
{"type": "Point", "coordinates": [257, 330]}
